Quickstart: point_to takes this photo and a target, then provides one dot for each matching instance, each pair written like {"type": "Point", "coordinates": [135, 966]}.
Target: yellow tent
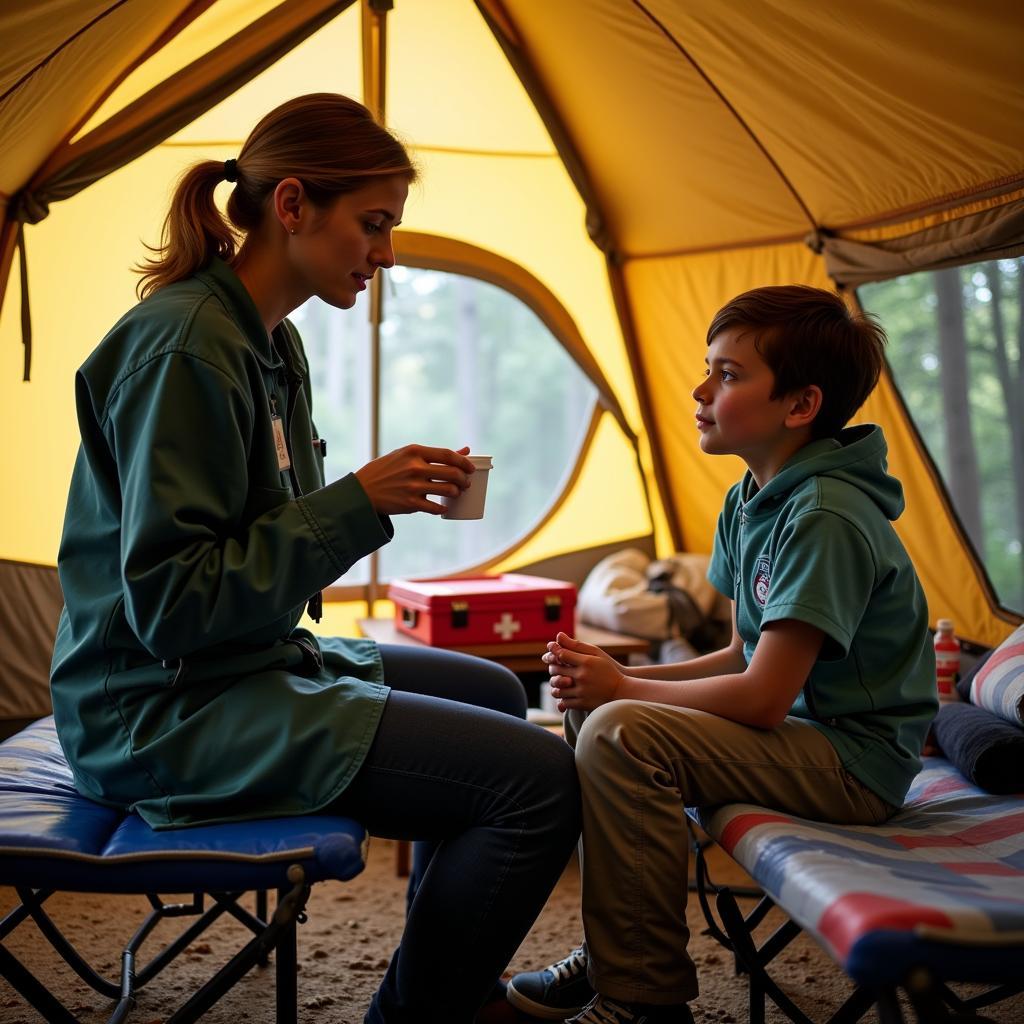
{"type": "Point", "coordinates": [623, 167]}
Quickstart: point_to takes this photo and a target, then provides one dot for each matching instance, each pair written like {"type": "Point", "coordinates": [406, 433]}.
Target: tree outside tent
{"type": "Point", "coordinates": [956, 349]}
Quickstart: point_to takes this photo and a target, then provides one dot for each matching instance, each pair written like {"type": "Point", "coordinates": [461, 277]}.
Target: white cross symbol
{"type": "Point", "coordinates": [507, 627]}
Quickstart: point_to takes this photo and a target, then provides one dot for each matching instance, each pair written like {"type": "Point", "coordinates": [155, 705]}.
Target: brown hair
{"type": "Point", "coordinates": [809, 336]}
{"type": "Point", "coordinates": [331, 143]}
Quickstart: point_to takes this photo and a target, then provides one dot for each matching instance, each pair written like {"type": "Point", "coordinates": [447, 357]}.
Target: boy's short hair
{"type": "Point", "coordinates": [809, 336]}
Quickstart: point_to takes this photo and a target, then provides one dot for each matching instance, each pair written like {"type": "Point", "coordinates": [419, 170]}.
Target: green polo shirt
{"type": "Point", "coordinates": [817, 545]}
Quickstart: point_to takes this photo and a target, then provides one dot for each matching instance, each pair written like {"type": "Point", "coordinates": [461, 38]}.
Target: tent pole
{"type": "Point", "coordinates": [374, 27]}
{"type": "Point", "coordinates": [373, 24]}
{"type": "Point", "coordinates": [498, 21]}
{"type": "Point", "coordinates": [374, 313]}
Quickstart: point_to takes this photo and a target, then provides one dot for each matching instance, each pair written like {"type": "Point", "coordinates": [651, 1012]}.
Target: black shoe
{"type": "Point", "coordinates": [602, 1010]}
{"type": "Point", "coordinates": [555, 993]}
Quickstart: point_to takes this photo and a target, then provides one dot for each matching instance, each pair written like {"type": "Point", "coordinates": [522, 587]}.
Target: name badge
{"type": "Point", "coordinates": [283, 461]}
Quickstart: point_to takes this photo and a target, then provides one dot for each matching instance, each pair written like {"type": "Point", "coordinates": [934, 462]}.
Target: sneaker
{"type": "Point", "coordinates": [602, 1010]}
{"type": "Point", "coordinates": [556, 992]}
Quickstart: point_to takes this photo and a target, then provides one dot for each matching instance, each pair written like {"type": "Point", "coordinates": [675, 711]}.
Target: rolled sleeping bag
{"type": "Point", "coordinates": [988, 750]}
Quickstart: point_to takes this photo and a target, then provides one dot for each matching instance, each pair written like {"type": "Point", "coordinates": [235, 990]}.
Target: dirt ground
{"type": "Point", "coordinates": [345, 945]}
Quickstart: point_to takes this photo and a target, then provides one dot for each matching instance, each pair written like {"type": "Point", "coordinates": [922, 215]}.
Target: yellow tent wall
{"type": "Point", "coordinates": [676, 298]}
{"type": "Point", "coordinates": [704, 144]}
{"type": "Point", "coordinates": [717, 143]}
{"type": "Point", "coordinates": [504, 190]}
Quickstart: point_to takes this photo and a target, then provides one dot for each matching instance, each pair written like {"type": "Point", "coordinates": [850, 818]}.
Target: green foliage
{"type": "Point", "coordinates": [907, 307]}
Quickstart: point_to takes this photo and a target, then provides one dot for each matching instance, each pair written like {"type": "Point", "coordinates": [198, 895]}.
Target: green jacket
{"type": "Point", "coordinates": [817, 544]}
{"type": "Point", "coordinates": [181, 686]}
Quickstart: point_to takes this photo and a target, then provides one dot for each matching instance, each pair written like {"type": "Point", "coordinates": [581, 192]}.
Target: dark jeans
{"type": "Point", "coordinates": [495, 801]}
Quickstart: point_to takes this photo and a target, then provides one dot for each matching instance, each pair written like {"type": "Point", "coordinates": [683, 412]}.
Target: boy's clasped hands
{"type": "Point", "coordinates": [581, 675]}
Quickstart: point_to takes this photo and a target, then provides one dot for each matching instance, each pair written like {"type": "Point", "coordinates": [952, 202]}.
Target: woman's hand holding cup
{"type": "Point", "coordinates": [400, 481]}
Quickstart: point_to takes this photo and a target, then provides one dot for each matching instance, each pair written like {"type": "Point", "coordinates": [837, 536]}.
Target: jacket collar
{"type": "Point", "coordinates": [225, 283]}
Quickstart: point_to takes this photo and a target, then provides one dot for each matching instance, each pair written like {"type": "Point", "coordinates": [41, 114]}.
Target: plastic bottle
{"type": "Point", "coordinates": [947, 660]}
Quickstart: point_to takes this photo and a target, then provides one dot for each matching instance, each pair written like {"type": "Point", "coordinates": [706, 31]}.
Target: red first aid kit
{"type": "Point", "coordinates": [475, 610]}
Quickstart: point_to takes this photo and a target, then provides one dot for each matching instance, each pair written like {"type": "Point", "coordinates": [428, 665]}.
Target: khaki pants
{"type": "Point", "coordinates": [639, 764]}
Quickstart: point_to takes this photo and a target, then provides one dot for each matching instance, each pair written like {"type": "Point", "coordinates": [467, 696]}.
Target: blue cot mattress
{"type": "Point", "coordinates": [53, 838]}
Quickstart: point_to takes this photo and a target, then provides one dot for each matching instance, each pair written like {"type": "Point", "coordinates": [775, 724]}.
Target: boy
{"type": "Point", "coordinates": [820, 704]}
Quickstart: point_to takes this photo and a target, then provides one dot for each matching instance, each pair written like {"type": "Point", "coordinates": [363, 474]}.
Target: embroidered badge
{"type": "Point", "coordinates": [762, 579]}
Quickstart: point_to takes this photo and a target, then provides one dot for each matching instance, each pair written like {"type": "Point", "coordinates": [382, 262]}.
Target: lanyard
{"type": "Point", "coordinates": [282, 431]}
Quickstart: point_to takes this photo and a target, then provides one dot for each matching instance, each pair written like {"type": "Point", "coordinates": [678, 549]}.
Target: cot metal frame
{"type": "Point", "coordinates": [931, 999]}
{"type": "Point", "coordinates": [271, 933]}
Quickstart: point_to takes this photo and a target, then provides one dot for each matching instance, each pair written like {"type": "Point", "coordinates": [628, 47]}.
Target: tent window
{"type": "Point", "coordinates": [956, 350]}
{"type": "Point", "coordinates": [462, 361]}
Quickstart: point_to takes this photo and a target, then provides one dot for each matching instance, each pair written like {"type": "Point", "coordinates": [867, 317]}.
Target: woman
{"type": "Point", "coordinates": [198, 526]}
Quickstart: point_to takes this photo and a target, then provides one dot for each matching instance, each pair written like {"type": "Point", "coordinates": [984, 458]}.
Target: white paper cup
{"type": "Point", "coordinates": [470, 503]}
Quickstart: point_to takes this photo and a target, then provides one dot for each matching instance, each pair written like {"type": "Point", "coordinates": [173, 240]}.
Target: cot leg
{"type": "Point", "coordinates": [859, 1002]}
{"type": "Point", "coordinates": [993, 995]}
{"type": "Point", "coordinates": [888, 1007]}
{"type": "Point", "coordinates": [287, 972]}
{"type": "Point", "coordinates": [761, 982]}
{"type": "Point", "coordinates": [755, 1001]}
{"type": "Point", "coordinates": [33, 900]}
{"type": "Point", "coordinates": [32, 991]}
{"type": "Point", "coordinates": [703, 885]}
{"type": "Point", "coordinates": [935, 1003]}
{"type": "Point", "coordinates": [281, 928]}
{"type": "Point", "coordinates": [261, 913]}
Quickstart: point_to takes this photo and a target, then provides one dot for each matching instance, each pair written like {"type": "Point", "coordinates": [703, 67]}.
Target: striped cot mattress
{"type": "Point", "coordinates": [939, 886]}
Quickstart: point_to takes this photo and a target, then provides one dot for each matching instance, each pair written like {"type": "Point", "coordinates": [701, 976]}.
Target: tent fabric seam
{"type": "Point", "coordinates": [990, 189]}
{"type": "Point", "coordinates": [169, 34]}
{"type": "Point", "coordinates": [995, 185]}
{"type": "Point", "coordinates": [503, 30]}
{"type": "Point", "coordinates": [994, 232]}
{"type": "Point", "coordinates": [27, 565]}
{"type": "Point", "coordinates": [513, 154]}
{"type": "Point", "coordinates": [905, 215]}
{"type": "Point", "coordinates": [66, 43]}
{"type": "Point", "coordinates": [514, 51]}
{"type": "Point", "coordinates": [791, 188]}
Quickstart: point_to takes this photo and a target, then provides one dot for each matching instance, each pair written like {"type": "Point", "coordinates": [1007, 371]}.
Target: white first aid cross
{"type": "Point", "coordinates": [506, 627]}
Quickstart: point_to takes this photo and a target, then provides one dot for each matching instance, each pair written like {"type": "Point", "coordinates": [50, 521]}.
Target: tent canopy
{"type": "Point", "coordinates": [639, 163]}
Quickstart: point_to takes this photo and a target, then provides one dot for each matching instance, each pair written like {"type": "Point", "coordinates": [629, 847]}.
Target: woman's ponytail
{"type": "Point", "coordinates": [331, 143]}
{"type": "Point", "coordinates": [194, 231]}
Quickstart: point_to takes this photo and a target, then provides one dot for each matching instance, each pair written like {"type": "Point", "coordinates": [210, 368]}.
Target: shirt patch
{"type": "Point", "coordinates": [762, 579]}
